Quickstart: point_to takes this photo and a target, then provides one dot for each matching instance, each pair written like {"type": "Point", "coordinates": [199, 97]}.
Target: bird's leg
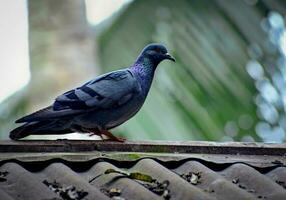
{"type": "Point", "coordinates": [112, 137]}
{"type": "Point", "coordinates": [95, 132]}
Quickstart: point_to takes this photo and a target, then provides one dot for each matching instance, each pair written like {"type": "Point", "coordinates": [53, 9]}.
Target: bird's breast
{"type": "Point", "coordinates": [124, 112]}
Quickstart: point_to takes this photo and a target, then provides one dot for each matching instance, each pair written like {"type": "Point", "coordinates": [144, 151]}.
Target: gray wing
{"type": "Point", "coordinates": [107, 91]}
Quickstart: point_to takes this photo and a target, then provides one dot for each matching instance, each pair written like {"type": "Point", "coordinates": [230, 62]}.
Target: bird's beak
{"type": "Point", "coordinates": [169, 57]}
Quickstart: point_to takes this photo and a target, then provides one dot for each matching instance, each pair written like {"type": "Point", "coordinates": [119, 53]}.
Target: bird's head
{"type": "Point", "coordinates": [156, 53]}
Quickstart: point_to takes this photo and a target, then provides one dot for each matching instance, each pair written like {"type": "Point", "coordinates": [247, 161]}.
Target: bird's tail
{"type": "Point", "coordinates": [48, 127]}
{"type": "Point", "coordinates": [19, 132]}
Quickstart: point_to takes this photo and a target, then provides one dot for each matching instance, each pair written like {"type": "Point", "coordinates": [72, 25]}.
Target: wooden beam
{"type": "Point", "coordinates": [230, 148]}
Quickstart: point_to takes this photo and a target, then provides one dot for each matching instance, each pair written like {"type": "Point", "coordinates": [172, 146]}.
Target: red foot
{"type": "Point", "coordinates": [95, 132]}
{"type": "Point", "coordinates": [112, 137]}
{"type": "Point", "coordinates": [119, 139]}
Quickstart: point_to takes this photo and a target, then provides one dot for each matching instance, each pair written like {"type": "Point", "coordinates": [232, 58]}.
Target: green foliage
{"type": "Point", "coordinates": [208, 92]}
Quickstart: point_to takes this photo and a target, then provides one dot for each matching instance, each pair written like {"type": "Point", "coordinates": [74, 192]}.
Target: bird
{"type": "Point", "coordinates": [99, 105]}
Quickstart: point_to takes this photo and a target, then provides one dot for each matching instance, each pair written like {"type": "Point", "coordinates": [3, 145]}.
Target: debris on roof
{"type": "Point", "coordinates": [151, 172]}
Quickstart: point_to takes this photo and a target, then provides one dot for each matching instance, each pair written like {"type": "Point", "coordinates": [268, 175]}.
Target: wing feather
{"type": "Point", "coordinates": [103, 92]}
{"type": "Point", "coordinates": [48, 113]}
{"type": "Point", "coordinates": [107, 91]}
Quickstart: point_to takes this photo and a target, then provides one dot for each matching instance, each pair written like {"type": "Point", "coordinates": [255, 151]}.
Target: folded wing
{"type": "Point", "coordinates": [105, 92]}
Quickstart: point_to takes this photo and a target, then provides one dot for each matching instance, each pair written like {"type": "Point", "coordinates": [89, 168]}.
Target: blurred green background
{"type": "Point", "coordinates": [228, 84]}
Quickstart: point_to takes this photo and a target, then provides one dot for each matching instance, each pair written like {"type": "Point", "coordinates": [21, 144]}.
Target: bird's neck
{"type": "Point", "coordinates": [144, 69]}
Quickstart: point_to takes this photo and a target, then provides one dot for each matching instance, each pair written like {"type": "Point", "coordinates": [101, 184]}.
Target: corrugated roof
{"type": "Point", "coordinates": [150, 172]}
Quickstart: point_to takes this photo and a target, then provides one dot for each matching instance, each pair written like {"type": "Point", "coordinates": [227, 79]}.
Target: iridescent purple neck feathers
{"type": "Point", "coordinates": [147, 62]}
{"type": "Point", "coordinates": [144, 70]}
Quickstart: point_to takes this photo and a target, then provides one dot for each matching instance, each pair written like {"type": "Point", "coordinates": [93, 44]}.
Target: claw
{"type": "Point", "coordinates": [91, 134]}
{"type": "Point", "coordinates": [112, 137]}
{"type": "Point", "coordinates": [95, 132]}
{"type": "Point", "coordinates": [120, 139]}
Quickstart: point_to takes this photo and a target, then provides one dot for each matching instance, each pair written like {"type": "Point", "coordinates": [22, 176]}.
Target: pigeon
{"type": "Point", "coordinates": [100, 104]}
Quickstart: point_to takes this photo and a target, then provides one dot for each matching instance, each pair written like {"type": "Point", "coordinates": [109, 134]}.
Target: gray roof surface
{"type": "Point", "coordinates": [141, 170]}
